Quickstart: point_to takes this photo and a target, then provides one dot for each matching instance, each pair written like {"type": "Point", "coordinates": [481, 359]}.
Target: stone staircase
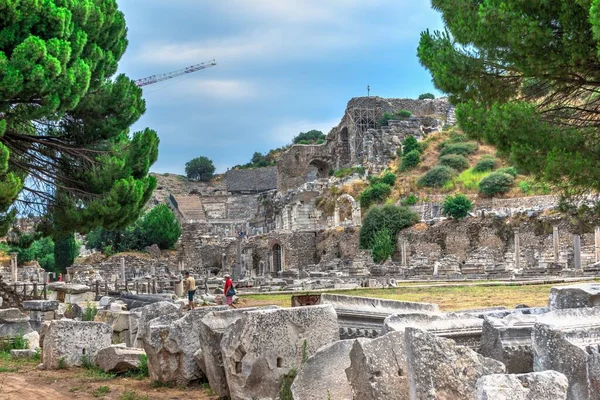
{"type": "Point", "coordinates": [191, 208]}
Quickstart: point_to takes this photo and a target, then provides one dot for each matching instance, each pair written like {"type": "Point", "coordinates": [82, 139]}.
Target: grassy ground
{"type": "Point", "coordinates": [449, 298]}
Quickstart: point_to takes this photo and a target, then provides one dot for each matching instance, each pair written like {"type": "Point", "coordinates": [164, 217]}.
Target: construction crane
{"type": "Point", "coordinates": [163, 77]}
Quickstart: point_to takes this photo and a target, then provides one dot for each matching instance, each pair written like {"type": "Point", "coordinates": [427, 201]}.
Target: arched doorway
{"type": "Point", "coordinates": [277, 260]}
{"type": "Point", "coordinates": [317, 170]}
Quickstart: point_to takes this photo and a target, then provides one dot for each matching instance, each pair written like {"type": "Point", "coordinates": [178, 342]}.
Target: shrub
{"type": "Point", "coordinates": [410, 143]}
{"type": "Point", "coordinates": [437, 176]}
{"type": "Point", "coordinates": [485, 164]}
{"type": "Point", "coordinates": [383, 246]}
{"type": "Point", "coordinates": [159, 226]}
{"type": "Point", "coordinates": [200, 169]}
{"type": "Point", "coordinates": [410, 200]}
{"type": "Point", "coordinates": [389, 217]}
{"type": "Point", "coordinates": [496, 183]}
{"type": "Point", "coordinates": [509, 170]}
{"type": "Point", "coordinates": [457, 206]}
{"type": "Point", "coordinates": [455, 161]}
{"type": "Point", "coordinates": [309, 137]}
{"type": "Point", "coordinates": [389, 178]}
{"type": "Point", "coordinates": [404, 114]}
{"type": "Point", "coordinates": [410, 160]}
{"type": "Point", "coordinates": [426, 96]}
{"type": "Point", "coordinates": [462, 148]}
{"type": "Point", "coordinates": [385, 118]}
{"type": "Point", "coordinates": [90, 312]}
{"type": "Point", "coordinates": [374, 193]}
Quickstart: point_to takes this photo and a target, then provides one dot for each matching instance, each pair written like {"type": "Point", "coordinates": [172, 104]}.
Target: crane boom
{"type": "Point", "coordinates": [163, 77]}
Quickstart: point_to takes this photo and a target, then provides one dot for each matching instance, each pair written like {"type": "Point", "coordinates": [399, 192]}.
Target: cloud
{"type": "Point", "coordinates": [284, 132]}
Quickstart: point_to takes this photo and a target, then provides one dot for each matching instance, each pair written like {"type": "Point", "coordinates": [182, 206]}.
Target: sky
{"type": "Point", "coordinates": [283, 67]}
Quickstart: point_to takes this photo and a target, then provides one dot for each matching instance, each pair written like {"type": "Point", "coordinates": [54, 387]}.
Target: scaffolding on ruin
{"type": "Point", "coordinates": [362, 119]}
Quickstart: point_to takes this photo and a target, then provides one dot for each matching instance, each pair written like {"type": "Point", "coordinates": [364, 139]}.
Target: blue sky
{"type": "Point", "coordinates": [284, 67]}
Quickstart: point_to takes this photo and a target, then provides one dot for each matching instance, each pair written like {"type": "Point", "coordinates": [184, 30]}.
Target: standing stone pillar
{"type": "Point", "coordinates": [555, 242]}
{"type": "Point", "coordinates": [404, 253]}
{"type": "Point", "coordinates": [179, 285]}
{"type": "Point", "coordinates": [336, 216]}
{"type": "Point", "coordinates": [517, 250]}
{"type": "Point", "coordinates": [597, 243]}
{"type": "Point", "coordinates": [356, 215]}
{"type": "Point", "coordinates": [13, 267]}
{"type": "Point", "coordinates": [577, 251]}
{"type": "Point", "coordinates": [123, 270]}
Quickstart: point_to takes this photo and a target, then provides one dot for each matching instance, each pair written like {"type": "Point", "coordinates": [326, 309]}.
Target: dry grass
{"type": "Point", "coordinates": [449, 298]}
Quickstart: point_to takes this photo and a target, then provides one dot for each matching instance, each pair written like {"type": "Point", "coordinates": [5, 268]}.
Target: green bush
{"type": "Point", "coordinates": [426, 96]}
{"type": "Point", "coordinates": [375, 193]}
{"type": "Point", "coordinates": [159, 226]}
{"type": "Point", "coordinates": [404, 114]}
{"type": "Point", "coordinates": [462, 148]}
{"type": "Point", "coordinates": [437, 177]}
{"type": "Point", "coordinates": [383, 246]}
{"type": "Point", "coordinates": [496, 183]}
{"type": "Point", "coordinates": [391, 218]}
{"type": "Point", "coordinates": [410, 160]}
{"type": "Point", "coordinates": [409, 200]}
{"type": "Point", "coordinates": [385, 118]}
{"type": "Point", "coordinates": [485, 164]}
{"type": "Point", "coordinates": [455, 161]}
{"type": "Point", "coordinates": [310, 137]}
{"type": "Point", "coordinates": [509, 170]}
{"type": "Point", "coordinates": [410, 143]}
{"type": "Point", "coordinates": [90, 312]}
{"type": "Point", "coordinates": [389, 178]}
{"type": "Point", "coordinates": [457, 206]}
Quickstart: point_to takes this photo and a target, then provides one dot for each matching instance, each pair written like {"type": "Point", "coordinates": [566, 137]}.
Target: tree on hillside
{"type": "Point", "coordinates": [159, 226]}
{"type": "Point", "coordinates": [200, 169]}
{"type": "Point", "coordinates": [65, 147]}
{"type": "Point", "coordinates": [310, 137]}
{"type": "Point", "coordinates": [525, 77]}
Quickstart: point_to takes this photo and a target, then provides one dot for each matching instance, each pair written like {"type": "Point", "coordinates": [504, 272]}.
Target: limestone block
{"type": "Point", "coordinates": [171, 344]}
{"type": "Point", "coordinates": [255, 362]}
{"type": "Point", "coordinates": [22, 354]}
{"type": "Point", "coordinates": [40, 305]}
{"type": "Point", "coordinates": [575, 296]}
{"type": "Point", "coordinates": [119, 322]}
{"type": "Point", "coordinates": [212, 328]}
{"type": "Point", "coordinates": [79, 297]}
{"type": "Point", "coordinates": [462, 328]}
{"type": "Point", "coordinates": [71, 340]}
{"type": "Point", "coordinates": [146, 314]}
{"type": "Point", "coordinates": [70, 288]}
{"type": "Point", "coordinates": [379, 369]}
{"type": "Point", "coordinates": [12, 316]}
{"type": "Point", "coordinates": [117, 359]}
{"type": "Point", "coordinates": [15, 329]}
{"type": "Point", "coordinates": [105, 301]}
{"type": "Point", "coordinates": [323, 375]}
{"type": "Point", "coordinates": [508, 340]}
{"type": "Point", "coordinates": [33, 340]}
{"type": "Point", "coordinates": [439, 369]}
{"type": "Point", "coordinates": [547, 385]}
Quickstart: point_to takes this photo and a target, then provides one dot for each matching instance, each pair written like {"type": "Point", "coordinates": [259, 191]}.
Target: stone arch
{"type": "Point", "coordinates": [318, 169]}
{"type": "Point", "coordinates": [355, 209]}
{"type": "Point", "coordinates": [344, 147]}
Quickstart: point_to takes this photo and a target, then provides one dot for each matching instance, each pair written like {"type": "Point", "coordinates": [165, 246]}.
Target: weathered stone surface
{"type": "Point", "coordinates": [547, 385]}
{"type": "Point", "coordinates": [323, 375]}
{"type": "Point", "coordinates": [566, 341]}
{"type": "Point", "coordinates": [21, 354]}
{"type": "Point", "coordinates": [119, 322]}
{"type": "Point", "coordinates": [256, 362]}
{"type": "Point", "coordinates": [147, 313]}
{"type": "Point", "coordinates": [464, 329]}
{"type": "Point", "coordinates": [212, 328]}
{"type": "Point", "coordinates": [508, 340]}
{"type": "Point", "coordinates": [575, 296]}
{"type": "Point", "coordinates": [116, 359]}
{"type": "Point", "coordinates": [171, 345]}
{"type": "Point", "coordinates": [379, 369]}
{"type": "Point", "coordinates": [12, 316]}
{"type": "Point", "coordinates": [70, 288]}
{"type": "Point", "coordinates": [40, 305]}
{"type": "Point", "coordinates": [105, 301]}
{"type": "Point", "coordinates": [71, 340]}
{"type": "Point", "coordinates": [439, 369]}
{"type": "Point", "coordinates": [33, 340]}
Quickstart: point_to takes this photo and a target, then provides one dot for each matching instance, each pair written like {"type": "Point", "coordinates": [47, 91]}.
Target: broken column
{"type": "Point", "coordinates": [555, 243]}
{"type": "Point", "coordinates": [517, 250]}
{"type": "Point", "coordinates": [336, 215]}
{"type": "Point", "coordinates": [13, 267]}
{"type": "Point", "coordinates": [438, 368]}
{"type": "Point", "coordinates": [577, 251]}
{"type": "Point", "coordinates": [123, 278]}
{"type": "Point", "coordinates": [256, 363]}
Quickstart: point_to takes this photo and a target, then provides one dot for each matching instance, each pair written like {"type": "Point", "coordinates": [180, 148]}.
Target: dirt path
{"type": "Point", "coordinates": [31, 384]}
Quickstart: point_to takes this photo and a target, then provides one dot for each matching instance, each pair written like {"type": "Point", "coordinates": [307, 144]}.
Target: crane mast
{"type": "Point", "coordinates": [163, 77]}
